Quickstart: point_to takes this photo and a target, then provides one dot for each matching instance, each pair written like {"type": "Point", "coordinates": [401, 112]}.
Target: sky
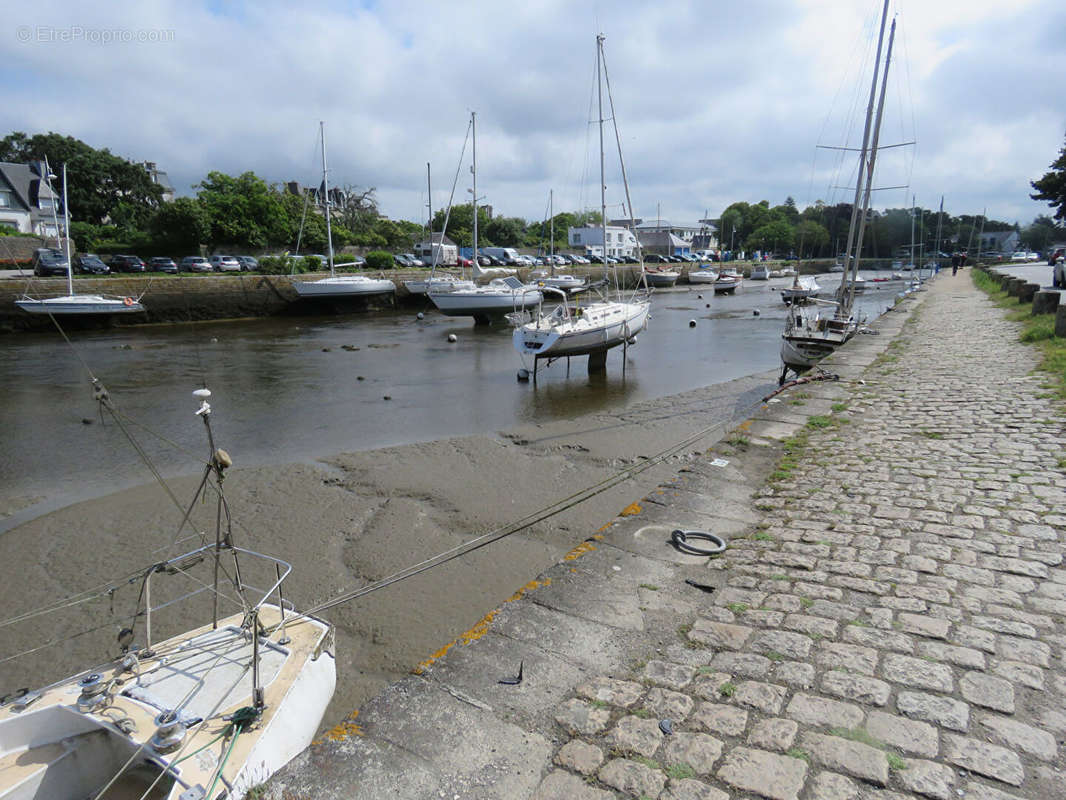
{"type": "Point", "coordinates": [715, 102]}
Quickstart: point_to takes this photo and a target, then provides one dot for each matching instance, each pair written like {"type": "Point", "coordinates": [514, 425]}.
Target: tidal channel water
{"type": "Point", "coordinates": [289, 389]}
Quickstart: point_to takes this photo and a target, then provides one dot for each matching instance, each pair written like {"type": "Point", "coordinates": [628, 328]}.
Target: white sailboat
{"type": "Point", "coordinates": [802, 289]}
{"type": "Point", "coordinates": [339, 286]}
{"type": "Point", "coordinates": [596, 327]}
{"type": "Point", "coordinates": [502, 295]}
{"type": "Point", "coordinates": [208, 713]}
{"type": "Point", "coordinates": [704, 274]}
{"type": "Point", "coordinates": [809, 337]}
{"type": "Point", "coordinates": [729, 280]}
{"type": "Point", "coordinates": [441, 281]}
{"type": "Point", "coordinates": [71, 303]}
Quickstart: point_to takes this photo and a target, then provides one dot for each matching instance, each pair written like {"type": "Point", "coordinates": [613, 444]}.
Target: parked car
{"type": "Point", "coordinates": [196, 264]}
{"type": "Point", "coordinates": [90, 264]}
{"type": "Point", "coordinates": [248, 263]}
{"type": "Point", "coordinates": [162, 264]}
{"type": "Point", "coordinates": [1058, 268]}
{"type": "Point", "coordinates": [1056, 256]}
{"type": "Point", "coordinates": [48, 261]}
{"type": "Point", "coordinates": [121, 263]}
{"type": "Point", "coordinates": [655, 258]}
{"type": "Point", "coordinates": [225, 264]}
{"type": "Point", "coordinates": [1019, 255]}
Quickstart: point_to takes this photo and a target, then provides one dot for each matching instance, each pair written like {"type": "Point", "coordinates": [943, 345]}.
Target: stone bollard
{"type": "Point", "coordinates": [1045, 303]}
{"type": "Point", "coordinates": [1013, 285]}
{"type": "Point", "coordinates": [1027, 291]}
{"type": "Point", "coordinates": [1004, 281]}
{"type": "Point", "coordinates": [1060, 322]}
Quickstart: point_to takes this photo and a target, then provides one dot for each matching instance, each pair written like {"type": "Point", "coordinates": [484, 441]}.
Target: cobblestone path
{"type": "Point", "coordinates": [894, 626]}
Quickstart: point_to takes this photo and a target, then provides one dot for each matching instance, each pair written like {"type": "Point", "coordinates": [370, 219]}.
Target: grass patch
{"type": "Point", "coordinates": [739, 442]}
{"type": "Point", "coordinates": [819, 421]}
{"type": "Point", "coordinates": [650, 586]}
{"type": "Point", "coordinates": [895, 762]}
{"type": "Point", "coordinates": [762, 536]}
{"type": "Point", "coordinates": [806, 602]}
{"type": "Point", "coordinates": [684, 630]}
{"type": "Point", "coordinates": [796, 752]}
{"type": "Point", "coordinates": [931, 434]}
{"type": "Point", "coordinates": [680, 772]}
{"type": "Point", "coordinates": [650, 763]}
{"type": "Point", "coordinates": [727, 689]}
{"type": "Point", "coordinates": [780, 576]}
{"type": "Point", "coordinates": [773, 655]}
{"type": "Point", "coordinates": [857, 735]}
{"type": "Point", "coordinates": [643, 713]}
{"type": "Point", "coordinates": [598, 703]}
{"type": "Point", "coordinates": [839, 406]}
{"type": "Point", "coordinates": [737, 608]}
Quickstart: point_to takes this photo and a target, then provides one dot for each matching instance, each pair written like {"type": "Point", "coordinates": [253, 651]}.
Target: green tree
{"type": "Point", "coordinates": [812, 238]}
{"type": "Point", "coordinates": [461, 224]}
{"type": "Point", "coordinates": [774, 236]}
{"type": "Point", "coordinates": [1042, 233]}
{"type": "Point", "coordinates": [182, 225]}
{"type": "Point", "coordinates": [243, 211]}
{"type": "Point", "coordinates": [1052, 187]}
{"type": "Point", "coordinates": [505, 231]}
{"type": "Point", "coordinates": [100, 186]}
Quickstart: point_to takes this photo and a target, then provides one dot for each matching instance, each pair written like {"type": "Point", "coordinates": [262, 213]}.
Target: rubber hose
{"type": "Point", "coordinates": [679, 539]}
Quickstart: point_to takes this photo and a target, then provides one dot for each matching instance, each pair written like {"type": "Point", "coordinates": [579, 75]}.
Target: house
{"type": "Point", "coordinates": [999, 242]}
{"type": "Point", "coordinates": [665, 243]}
{"type": "Point", "coordinates": [27, 202]}
{"type": "Point", "coordinates": [445, 250]}
{"type": "Point", "coordinates": [682, 231]}
{"type": "Point", "coordinates": [159, 177]}
{"type": "Point", "coordinates": [620, 241]}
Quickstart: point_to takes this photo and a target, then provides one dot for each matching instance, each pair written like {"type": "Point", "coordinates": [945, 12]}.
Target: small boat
{"type": "Point", "coordinates": [439, 282]}
{"type": "Point", "coordinates": [837, 267]}
{"type": "Point", "coordinates": [543, 277]}
{"type": "Point", "coordinates": [208, 713]}
{"type": "Point", "coordinates": [858, 285]}
{"type": "Point", "coordinates": [704, 274]}
{"type": "Point", "coordinates": [72, 304]}
{"type": "Point", "coordinates": [729, 280]}
{"type": "Point", "coordinates": [786, 272]}
{"type": "Point", "coordinates": [661, 278]}
{"type": "Point", "coordinates": [802, 289]}
{"type": "Point", "coordinates": [760, 272]}
{"type": "Point", "coordinates": [339, 286]}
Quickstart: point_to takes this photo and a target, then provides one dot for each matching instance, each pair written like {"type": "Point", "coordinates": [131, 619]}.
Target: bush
{"type": "Point", "coordinates": [378, 259]}
{"type": "Point", "coordinates": [275, 265]}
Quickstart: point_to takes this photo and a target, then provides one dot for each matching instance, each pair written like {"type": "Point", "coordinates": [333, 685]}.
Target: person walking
{"type": "Point", "coordinates": [956, 259]}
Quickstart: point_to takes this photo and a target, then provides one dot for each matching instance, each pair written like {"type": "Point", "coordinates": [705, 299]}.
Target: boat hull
{"type": "Point", "coordinates": [661, 280]}
{"type": "Point", "coordinates": [483, 304]}
{"type": "Point", "coordinates": [346, 286]}
{"type": "Point", "coordinates": [601, 326]}
{"type": "Point", "coordinates": [702, 276]}
{"type": "Point", "coordinates": [80, 305]}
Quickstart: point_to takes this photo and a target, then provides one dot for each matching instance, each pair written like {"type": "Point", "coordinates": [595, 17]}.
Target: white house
{"type": "Point", "coordinates": [620, 241]}
{"type": "Point", "coordinates": [27, 202]}
{"type": "Point", "coordinates": [447, 252]}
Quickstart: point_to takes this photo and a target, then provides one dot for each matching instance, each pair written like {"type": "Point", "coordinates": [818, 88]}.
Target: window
{"type": "Point", "coordinates": [44, 202]}
{"type": "Point", "coordinates": [577, 238]}
{"type": "Point", "coordinates": [5, 198]}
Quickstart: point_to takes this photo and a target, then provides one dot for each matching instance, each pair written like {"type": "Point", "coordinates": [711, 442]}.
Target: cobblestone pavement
{"type": "Point", "coordinates": [893, 625]}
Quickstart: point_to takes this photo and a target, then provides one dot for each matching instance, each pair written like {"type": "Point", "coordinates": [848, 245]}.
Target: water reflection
{"type": "Point", "coordinates": [299, 388]}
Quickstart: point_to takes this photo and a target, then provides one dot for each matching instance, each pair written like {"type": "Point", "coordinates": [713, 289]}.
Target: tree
{"type": "Point", "coordinates": [811, 238]}
{"type": "Point", "coordinates": [101, 187]}
{"type": "Point", "coordinates": [775, 235]}
{"type": "Point", "coordinates": [1052, 187]}
{"type": "Point", "coordinates": [358, 209]}
{"type": "Point", "coordinates": [182, 225]}
{"type": "Point", "coordinates": [1042, 233]}
{"type": "Point", "coordinates": [243, 211]}
{"type": "Point", "coordinates": [505, 231]}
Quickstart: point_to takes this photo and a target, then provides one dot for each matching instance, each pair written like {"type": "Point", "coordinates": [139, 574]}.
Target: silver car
{"type": "Point", "coordinates": [225, 264]}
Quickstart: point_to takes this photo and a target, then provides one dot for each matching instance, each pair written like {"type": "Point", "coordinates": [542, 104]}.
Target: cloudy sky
{"type": "Point", "coordinates": [716, 101]}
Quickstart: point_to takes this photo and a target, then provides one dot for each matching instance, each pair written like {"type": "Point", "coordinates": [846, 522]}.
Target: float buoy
{"type": "Point", "coordinates": [128, 301]}
{"type": "Point", "coordinates": [419, 315]}
{"type": "Point", "coordinates": [453, 338]}
{"type": "Point", "coordinates": [692, 323]}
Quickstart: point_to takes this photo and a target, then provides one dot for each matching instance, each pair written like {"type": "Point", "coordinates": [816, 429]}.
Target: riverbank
{"type": "Point", "coordinates": [888, 620]}
{"type": "Point", "coordinates": [351, 518]}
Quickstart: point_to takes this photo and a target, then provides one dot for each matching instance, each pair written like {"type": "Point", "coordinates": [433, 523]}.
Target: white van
{"type": "Point", "coordinates": [508, 255]}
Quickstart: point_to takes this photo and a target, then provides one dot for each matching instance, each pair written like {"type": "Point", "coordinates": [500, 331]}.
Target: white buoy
{"type": "Point", "coordinates": [202, 393]}
{"type": "Point", "coordinates": [453, 338]}
{"type": "Point", "coordinates": [419, 315]}
{"type": "Point", "coordinates": [692, 323]}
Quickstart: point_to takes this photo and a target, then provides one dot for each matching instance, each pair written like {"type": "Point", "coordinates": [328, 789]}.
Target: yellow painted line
{"type": "Point", "coordinates": [580, 550]}
{"type": "Point", "coordinates": [479, 630]}
{"type": "Point", "coordinates": [631, 510]}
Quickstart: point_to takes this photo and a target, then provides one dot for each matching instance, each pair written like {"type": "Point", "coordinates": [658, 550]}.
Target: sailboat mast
{"type": "Point", "coordinates": [603, 185]}
{"type": "Point", "coordinates": [860, 178]}
{"type": "Point", "coordinates": [914, 202]}
{"type": "Point", "coordinates": [325, 189]}
{"type": "Point", "coordinates": [551, 226]}
{"type": "Point", "coordinates": [939, 221]}
{"type": "Point", "coordinates": [473, 171]}
{"type": "Point", "coordinates": [429, 224]}
{"type": "Point", "coordinates": [873, 159]}
{"type": "Point", "coordinates": [66, 235]}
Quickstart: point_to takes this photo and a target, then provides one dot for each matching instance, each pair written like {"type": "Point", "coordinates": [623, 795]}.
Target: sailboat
{"type": "Point", "coordinates": [339, 286]}
{"type": "Point", "coordinates": [208, 713]}
{"type": "Point", "coordinates": [441, 281]}
{"type": "Point", "coordinates": [548, 277]}
{"type": "Point", "coordinates": [502, 295]}
{"type": "Point", "coordinates": [809, 337]}
{"type": "Point", "coordinates": [71, 303]}
{"type": "Point", "coordinates": [596, 327]}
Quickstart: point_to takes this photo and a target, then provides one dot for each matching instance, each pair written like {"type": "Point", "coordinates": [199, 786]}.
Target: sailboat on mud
{"type": "Point", "coordinates": [595, 327]}
{"type": "Point", "coordinates": [809, 336]}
